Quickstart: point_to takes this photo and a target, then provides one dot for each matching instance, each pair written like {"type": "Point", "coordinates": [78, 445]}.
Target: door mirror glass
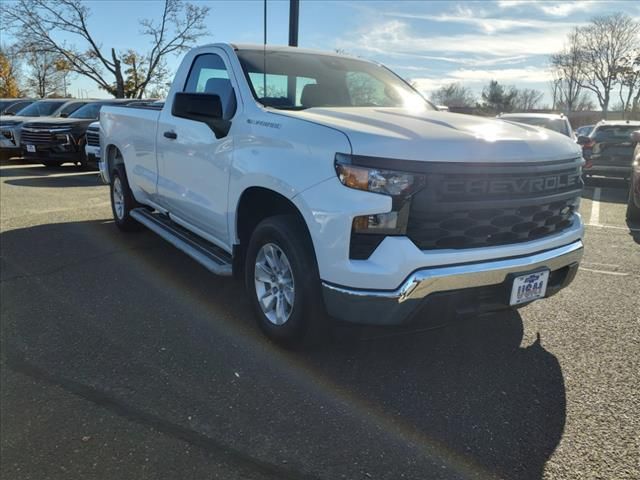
{"type": "Point", "coordinates": [201, 107]}
{"type": "Point", "coordinates": [197, 106]}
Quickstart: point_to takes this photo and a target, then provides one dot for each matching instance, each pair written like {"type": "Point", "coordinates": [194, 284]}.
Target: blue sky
{"type": "Point", "coordinates": [431, 42]}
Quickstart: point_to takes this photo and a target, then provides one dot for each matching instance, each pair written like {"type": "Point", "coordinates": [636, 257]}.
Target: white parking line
{"type": "Point", "coordinates": [594, 219]}
{"type": "Point", "coordinates": [10, 167]}
{"type": "Point", "coordinates": [627, 229]}
{"type": "Point", "coordinates": [617, 274]}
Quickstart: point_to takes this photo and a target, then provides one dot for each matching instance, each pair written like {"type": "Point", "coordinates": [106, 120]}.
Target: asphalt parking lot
{"type": "Point", "coordinates": [122, 358]}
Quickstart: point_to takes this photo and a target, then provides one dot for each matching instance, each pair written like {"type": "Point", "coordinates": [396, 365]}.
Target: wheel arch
{"type": "Point", "coordinates": [255, 204]}
{"type": "Point", "coordinates": [113, 157]}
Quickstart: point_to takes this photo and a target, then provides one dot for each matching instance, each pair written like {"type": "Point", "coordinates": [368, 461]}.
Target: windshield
{"type": "Point", "coordinates": [296, 81]}
{"type": "Point", "coordinates": [70, 107]}
{"type": "Point", "coordinates": [16, 107]}
{"type": "Point", "coordinates": [586, 130]}
{"type": "Point", "coordinates": [43, 108]}
{"type": "Point", "coordinates": [614, 133]}
{"type": "Point", "coordinates": [91, 110]}
{"type": "Point", "coordinates": [556, 124]}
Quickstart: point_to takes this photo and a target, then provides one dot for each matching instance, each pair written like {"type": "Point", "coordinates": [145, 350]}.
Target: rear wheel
{"type": "Point", "coordinates": [122, 201]}
{"type": "Point", "coordinates": [282, 279]}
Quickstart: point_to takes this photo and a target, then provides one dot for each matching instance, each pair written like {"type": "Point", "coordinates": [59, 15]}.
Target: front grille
{"type": "Point", "coordinates": [93, 138]}
{"type": "Point", "coordinates": [470, 206]}
{"type": "Point", "coordinates": [484, 227]}
{"type": "Point", "coordinates": [32, 136]}
{"type": "Point", "coordinates": [42, 133]}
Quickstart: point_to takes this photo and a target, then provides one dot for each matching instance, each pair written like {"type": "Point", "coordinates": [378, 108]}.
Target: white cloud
{"type": "Point", "coordinates": [395, 38]}
{"type": "Point", "coordinates": [467, 61]}
{"type": "Point", "coordinates": [486, 24]}
{"type": "Point", "coordinates": [555, 9]}
{"type": "Point", "coordinates": [503, 75]}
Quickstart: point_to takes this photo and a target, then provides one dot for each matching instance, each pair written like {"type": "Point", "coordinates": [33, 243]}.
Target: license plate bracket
{"type": "Point", "coordinates": [527, 287]}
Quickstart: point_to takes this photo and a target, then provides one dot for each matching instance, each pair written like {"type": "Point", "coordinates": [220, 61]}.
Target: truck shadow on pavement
{"type": "Point", "coordinates": [147, 333]}
{"type": "Point", "coordinates": [69, 180]}
{"type": "Point", "coordinates": [469, 388]}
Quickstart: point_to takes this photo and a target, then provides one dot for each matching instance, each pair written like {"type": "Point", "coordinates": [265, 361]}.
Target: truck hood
{"type": "Point", "coordinates": [53, 122]}
{"type": "Point", "coordinates": [440, 136]}
{"type": "Point", "coordinates": [11, 120]}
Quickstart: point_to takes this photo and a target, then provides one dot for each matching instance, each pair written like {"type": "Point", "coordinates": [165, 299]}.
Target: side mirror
{"type": "Point", "coordinates": [64, 115]}
{"type": "Point", "coordinates": [582, 140]}
{"type": "Point", "coordinates": [201, 107]}
{"type": "Point", "coordinates": [635, 136]}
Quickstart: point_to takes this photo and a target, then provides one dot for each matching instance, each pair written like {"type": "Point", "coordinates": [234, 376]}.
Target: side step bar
{"type": "Point", "coordinates": [210, 256]}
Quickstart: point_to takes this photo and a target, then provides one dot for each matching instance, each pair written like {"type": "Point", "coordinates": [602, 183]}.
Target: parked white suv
{"type": "Point", "coordinates": [343, 191]}
{"type": "Point", "coordinates": [553, 121]}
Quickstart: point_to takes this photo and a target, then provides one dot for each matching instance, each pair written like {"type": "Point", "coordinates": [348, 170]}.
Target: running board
{"type": "Point", "coordinates": [210, 256]}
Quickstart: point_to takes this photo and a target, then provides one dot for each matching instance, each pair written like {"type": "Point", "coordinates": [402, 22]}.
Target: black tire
{"type": "Point", "coordinates": [52, 163]}
{"type": "Point", "coordinates": [633, 211]}
{"type": "Point", "coordinates": [122, 217]}
{"type": "Point", "coordinates": [307, 323]}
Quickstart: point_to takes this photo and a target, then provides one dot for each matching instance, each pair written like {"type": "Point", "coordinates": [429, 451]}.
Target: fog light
{"type": "Point", "coordinates": [378, 223]}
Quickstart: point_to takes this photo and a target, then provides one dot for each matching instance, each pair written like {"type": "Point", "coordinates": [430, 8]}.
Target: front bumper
{"type": "Point", "coordinates": [473, 287]}
{"type": "Point", "coordinates": [607, 170]}
{"type": "Point", "coordinates": [91, 161]}
{"type": "Point", "coordinates": [66, 153]}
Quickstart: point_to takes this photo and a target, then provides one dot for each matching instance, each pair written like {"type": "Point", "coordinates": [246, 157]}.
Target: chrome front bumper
{"type": "Point", "coordinates": [396, 307]}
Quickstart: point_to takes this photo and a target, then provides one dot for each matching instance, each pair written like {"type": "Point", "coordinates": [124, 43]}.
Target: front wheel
{"type": "Point", "coordinates": [122, 201]}
{"type": "Point", "coordinates": [282, 280]}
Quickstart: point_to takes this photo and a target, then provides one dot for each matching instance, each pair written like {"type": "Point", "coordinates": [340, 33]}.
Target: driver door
{"type": "Point", "coordinates": [193, 164]}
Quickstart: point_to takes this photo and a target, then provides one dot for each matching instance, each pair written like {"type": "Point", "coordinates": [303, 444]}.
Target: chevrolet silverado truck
{"type": "Point", "coordinates": [338, 192]}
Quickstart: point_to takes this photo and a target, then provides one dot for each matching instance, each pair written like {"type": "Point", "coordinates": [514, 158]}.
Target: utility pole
{"type": "Point", "coordinates": [294, 14]}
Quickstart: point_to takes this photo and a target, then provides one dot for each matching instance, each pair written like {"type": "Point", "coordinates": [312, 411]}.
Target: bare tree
{"type": "Point", "coordinates": [629, 83]}
{"type": "Point", "coordinates": [454, 95]}
{"type": "Point", "coordinates": [567, 71]}
{"type": "Point", "coordinates": [527, 99]}
{"type": "Point", "coordinates": [41, 25]}
{"type": "Point", "coordinates": [46, 73]}
{"type": "Point", "coordinates": [605, 42]}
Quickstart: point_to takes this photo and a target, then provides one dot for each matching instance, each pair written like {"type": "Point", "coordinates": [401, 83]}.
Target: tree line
{"type": "Point", "coordinates": [39, 27]}
{"type": "Point", "coordinates": [600, 61]}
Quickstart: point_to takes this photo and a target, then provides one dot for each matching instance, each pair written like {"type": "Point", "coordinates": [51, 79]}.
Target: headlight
{"type": "Point", "coordinates": [387, 182]}
{"type": "Point", "coordinates": [397, 184]}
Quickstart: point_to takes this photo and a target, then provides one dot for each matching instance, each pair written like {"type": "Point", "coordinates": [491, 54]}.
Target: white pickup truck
{"type": "Point", "coordinates": [334, 188]}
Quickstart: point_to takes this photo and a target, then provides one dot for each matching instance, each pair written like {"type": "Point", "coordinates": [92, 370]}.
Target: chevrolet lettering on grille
{"type": "Point", "coordinates": [511, 185]}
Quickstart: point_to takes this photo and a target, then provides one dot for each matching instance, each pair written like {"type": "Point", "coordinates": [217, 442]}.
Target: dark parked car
{"type": "Point", "coordinates": [10, 125]}
{"type": "Point", "coordinates": [609, 149]}
{"type": "Point", "coordinates": [633, 204]}
{"type": "Point", "coordinates": [10, 106]}
{"type": "Point", "coordinates": [54, 141]}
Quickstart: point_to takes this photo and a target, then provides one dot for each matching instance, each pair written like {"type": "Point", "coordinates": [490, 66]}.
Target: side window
{"type": "Point", "coordinates": [209, 74]}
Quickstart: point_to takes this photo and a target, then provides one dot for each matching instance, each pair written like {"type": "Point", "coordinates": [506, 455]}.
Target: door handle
{"type": "Point", "coordinates": [171, 135]}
